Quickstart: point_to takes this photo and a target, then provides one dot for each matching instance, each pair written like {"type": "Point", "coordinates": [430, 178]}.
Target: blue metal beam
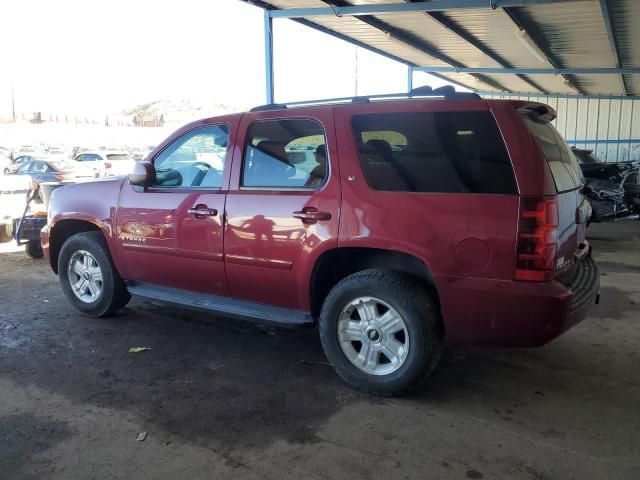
{"type": "Point", "coordinates": [604, 8]}
{"type": "Point", "coordinates": [531, 71]}
{"type": "Point", "coordinates": [423, 6]}
{"type": "Point", "coordinates": [268, 56]}
{"type": "Point", "coordinates": [609, 142]}
{"type": "Point", "coordinates": [409, 78]}
{"type": "Point", "coordinates": [557, 95]}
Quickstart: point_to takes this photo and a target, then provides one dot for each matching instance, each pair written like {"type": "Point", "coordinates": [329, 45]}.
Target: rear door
{"type": "Point", "coordinates": [282, 206]}
{"type": "Point", "coordinates": [573, 207]}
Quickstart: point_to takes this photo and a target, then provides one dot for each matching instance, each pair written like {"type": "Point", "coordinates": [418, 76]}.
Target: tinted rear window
{"type": "Point", "coordinates": [448, 152]}
{"type": "Point", "coordinates": [562, 163]}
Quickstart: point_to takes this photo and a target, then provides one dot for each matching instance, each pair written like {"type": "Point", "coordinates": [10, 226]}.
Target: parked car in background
{"type": "Point", "coordinates": [107, 163]}
{"type": "Point", "coordinates": [55, 152]}
{"type": "Point", "coordinates": [43, 170]}
{"type": "Point", "coordinates": [613, 188]}
{"type": "Point", "coordinates": [14, 164]}
{"type": "Point", "coordinates": [395, 225]}
{"type": "Point", "coordinates": [24, 150]}
{"type": "Point", "coordinates": [140, 153]}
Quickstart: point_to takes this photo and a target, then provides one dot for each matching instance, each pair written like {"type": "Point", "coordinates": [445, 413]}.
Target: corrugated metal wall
{"type": "Point", "coordinates": [611, 128]}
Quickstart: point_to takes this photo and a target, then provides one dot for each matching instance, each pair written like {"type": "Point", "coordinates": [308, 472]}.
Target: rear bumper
{"type": "Point", "coordinates": [486, 312]}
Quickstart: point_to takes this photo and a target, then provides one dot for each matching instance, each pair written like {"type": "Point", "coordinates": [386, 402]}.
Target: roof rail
{"type": "Point", "coordinates": [269, 106]}
{"type": "Point", "coordinates": [446, 91]}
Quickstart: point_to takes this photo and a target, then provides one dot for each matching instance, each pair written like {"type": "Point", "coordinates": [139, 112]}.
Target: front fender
{"type": "Point", "coordinates": [93, 203]}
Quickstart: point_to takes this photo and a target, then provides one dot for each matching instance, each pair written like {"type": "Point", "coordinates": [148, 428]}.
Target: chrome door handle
{"type": "Point", "coordinates": [309, 215]}
{"type": "Point", "coordinates": [202, 212]}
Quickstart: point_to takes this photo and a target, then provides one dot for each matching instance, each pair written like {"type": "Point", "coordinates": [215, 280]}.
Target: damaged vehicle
{"type": "Point", "coordinates": [613, 188]}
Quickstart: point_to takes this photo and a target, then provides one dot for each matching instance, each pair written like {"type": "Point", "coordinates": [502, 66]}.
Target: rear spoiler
{"type": "Point", "coordinates": [542, 111]}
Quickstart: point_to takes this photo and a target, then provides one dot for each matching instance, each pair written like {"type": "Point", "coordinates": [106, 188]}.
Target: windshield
{"type": "Point", "coordinates": [562, 162]}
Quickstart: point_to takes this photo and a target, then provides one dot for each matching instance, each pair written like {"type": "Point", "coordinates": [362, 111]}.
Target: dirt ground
{"type": "Point", "coordinates": [226, 399]}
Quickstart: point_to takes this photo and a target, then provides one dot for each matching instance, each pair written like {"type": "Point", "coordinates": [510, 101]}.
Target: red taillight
{"type": "Point", "coordinates": [61, 176]}
{"type": "Point", "coordinates": [537, 239]}
{"type": "Point", "coordinates": [107, 165]}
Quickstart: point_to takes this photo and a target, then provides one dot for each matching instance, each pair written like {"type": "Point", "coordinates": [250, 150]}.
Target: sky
{"type": "Point", "coordinates": [104, 56]}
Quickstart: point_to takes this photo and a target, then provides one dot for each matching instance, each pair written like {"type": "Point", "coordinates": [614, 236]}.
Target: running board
{"type": "Point", "coordinates": [267, 314]}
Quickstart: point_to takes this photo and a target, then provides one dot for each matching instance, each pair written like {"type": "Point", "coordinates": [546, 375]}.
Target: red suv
{"type": "Point", "coordinates": [396, 225]}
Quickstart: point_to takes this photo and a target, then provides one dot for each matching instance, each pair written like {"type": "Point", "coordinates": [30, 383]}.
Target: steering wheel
{"type": "Point", "coordinates": [203, 168]}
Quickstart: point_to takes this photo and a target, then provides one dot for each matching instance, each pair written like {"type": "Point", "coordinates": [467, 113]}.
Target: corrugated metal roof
{"type": "Point", "coordinates": [568, 35]}
{"type": "Point", "coordinates": [626, 25]}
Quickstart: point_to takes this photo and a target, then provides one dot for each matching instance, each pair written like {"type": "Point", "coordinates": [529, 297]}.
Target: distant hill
{"type": "Point", "coordinates": [179, 111]}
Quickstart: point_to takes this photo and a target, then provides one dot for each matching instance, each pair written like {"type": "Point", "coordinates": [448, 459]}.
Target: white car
{"type": "Point", "coordinates": [107, 163]}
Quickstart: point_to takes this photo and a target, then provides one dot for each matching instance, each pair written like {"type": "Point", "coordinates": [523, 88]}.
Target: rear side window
{"type": "Point", "coordinates": [285, 153]}
{"type": "Point", "coordinates": [562, 163]}
{"type": "Point", "coordinates": [447, 152]}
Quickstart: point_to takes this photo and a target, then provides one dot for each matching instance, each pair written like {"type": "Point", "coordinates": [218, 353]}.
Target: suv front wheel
{"type": "Point", "coordinates": [88, 277]}
{"type": "Point", "coordinates": [381, 331]}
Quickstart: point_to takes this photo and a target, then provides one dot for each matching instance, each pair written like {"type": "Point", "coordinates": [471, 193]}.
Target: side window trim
{"type": "Point", "coordinates": [283, 189]}
{"type": "Point", "coordinates": [191, 132]}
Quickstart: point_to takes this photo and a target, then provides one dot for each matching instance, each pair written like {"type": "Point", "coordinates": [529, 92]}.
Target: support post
{"type": "Point", "coordinates": [268, 56]}
{"type": "Point", "coordinates": [409, 78]}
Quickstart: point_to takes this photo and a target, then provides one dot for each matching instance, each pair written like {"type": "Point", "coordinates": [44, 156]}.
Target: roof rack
{"type": "Point", "coordinates": [446, 91]}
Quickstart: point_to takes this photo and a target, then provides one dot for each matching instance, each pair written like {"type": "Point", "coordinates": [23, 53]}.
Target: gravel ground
{"type": "Point", "coordinates": [225, 399]}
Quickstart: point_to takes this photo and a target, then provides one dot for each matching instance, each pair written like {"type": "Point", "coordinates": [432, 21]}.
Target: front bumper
{"type": "Point", "coordinates": [487, 312]}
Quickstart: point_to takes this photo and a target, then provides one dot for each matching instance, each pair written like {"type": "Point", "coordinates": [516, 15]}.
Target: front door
{"type": "Point", "coordinates": [282, 206]}
{"type": "Point", "coordinates": [171, 233]}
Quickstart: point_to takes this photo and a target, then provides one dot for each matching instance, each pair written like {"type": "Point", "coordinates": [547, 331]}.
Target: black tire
{"type": "Point", "coordinates": [5, 233]}
{"type": "Point", "coordinates": [418, 311]}
{"type": "Point", "coordinates": [114, 294]}
{"type": "Point", "coordinates": [34, 249]}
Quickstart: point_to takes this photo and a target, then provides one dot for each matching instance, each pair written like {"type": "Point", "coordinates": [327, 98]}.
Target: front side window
{"type": "Point", "coordinates": [195, 160]}
{"type": "Point", "coordinates": [448, 152]}
{"type": "Point", "coordinates": [286, 153]}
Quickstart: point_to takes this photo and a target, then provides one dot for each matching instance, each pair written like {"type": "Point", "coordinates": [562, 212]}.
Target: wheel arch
{"type": "Point", "coordinates": [338, 263]}
{"type": "Point", "coordinates": [64, 229]}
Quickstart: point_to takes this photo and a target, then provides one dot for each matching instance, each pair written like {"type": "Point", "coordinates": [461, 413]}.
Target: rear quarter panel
{"type": "Point", "coordinates": [456, 235]}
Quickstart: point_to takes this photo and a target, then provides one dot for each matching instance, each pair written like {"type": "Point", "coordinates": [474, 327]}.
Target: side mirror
{"type": "Point", "coordinates": [143, 174]}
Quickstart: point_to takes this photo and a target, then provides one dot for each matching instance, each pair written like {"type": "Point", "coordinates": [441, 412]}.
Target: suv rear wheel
{"type": "Point", "coordinates": [88, 278]}
{"type": "Point", "coordinates": [381, 331]}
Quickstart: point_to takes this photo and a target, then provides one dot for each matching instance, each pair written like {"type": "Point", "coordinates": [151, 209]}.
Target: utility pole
{"type": "Point", "coordinates": [13, 104]}
{"type": "Point", "coordinates": [356, 70]}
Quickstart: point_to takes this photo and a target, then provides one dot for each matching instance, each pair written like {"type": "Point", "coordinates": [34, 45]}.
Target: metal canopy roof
{"type": "Point", "coordinates": [588, 47]}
